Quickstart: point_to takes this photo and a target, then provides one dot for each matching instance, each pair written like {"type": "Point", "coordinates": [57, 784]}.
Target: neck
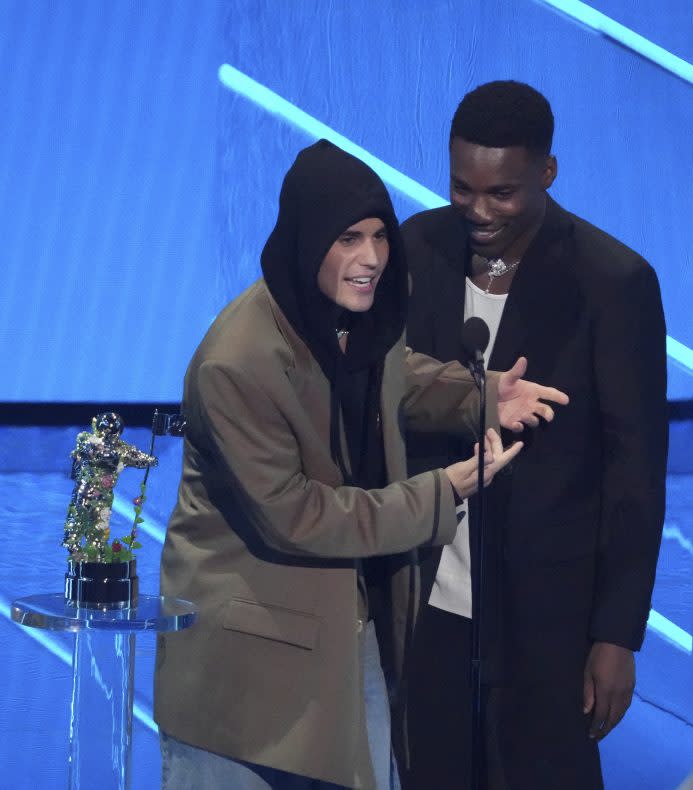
{"type": "Point", "coordinates": [479, 264]}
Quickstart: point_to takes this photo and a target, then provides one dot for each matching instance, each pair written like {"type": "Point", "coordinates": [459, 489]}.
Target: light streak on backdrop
{"type": "Point", "coordinates": [623, 35]}
{"type": "Point", "coordinates": [272, 102]}
{"type": "Point", "coordinates": [680, 353]}
{"type": "Point", "coordinates": [670, 631]}
{"type": "Point", "coordinates": [275, 104]}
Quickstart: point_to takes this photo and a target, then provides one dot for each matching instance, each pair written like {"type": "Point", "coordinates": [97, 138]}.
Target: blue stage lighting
{"type": "Point", "coordinates": [624, 35]}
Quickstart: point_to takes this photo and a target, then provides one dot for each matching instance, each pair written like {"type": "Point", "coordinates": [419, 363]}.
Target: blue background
{"type": "Point", "coordinates": [136, 192]}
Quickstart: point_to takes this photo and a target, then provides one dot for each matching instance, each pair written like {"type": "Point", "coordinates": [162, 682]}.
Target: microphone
{"type": "Point", "coordinates": [475, 336]}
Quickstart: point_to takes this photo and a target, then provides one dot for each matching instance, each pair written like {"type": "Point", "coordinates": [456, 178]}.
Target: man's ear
{"type": "Point", "coordinates": [549, 172]}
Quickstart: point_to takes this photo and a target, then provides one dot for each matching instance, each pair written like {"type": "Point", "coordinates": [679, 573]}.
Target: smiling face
{"type": "Point", "coordinates": [500, 193]}
{"type": "Point", "coordinates": [350, 271]}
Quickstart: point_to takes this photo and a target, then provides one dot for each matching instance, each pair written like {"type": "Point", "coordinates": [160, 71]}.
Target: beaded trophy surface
{"type": "Point", "coordinates": [100, 455]}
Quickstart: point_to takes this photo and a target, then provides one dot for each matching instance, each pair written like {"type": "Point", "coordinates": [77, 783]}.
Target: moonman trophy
{"type": "Point", "coordinates": [102, 572]}
{"type": "Point", "coordinates": [101, 605]}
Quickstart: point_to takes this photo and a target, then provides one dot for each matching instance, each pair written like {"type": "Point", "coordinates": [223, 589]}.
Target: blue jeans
{"type": "Point", "coordinates": [186, 767]}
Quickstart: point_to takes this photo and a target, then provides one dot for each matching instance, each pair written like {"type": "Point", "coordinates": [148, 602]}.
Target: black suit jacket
{"type": "Point", "coordinates": [574, 527]}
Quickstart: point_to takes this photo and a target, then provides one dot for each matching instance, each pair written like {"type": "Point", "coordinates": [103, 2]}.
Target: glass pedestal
{"type": "Point", "coordinates": [103, 667]}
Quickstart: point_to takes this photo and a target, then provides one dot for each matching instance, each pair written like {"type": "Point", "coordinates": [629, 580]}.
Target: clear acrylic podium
{"type": "Point", "coordinates": [103, 666]}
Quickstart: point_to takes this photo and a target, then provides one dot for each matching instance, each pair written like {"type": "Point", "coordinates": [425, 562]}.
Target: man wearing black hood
{"type": "Point", "coordinates": [294, 474]}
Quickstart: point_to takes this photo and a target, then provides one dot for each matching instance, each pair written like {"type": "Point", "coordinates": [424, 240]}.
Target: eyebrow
{"type": "Point", "coordinates": [358, 232]}
{"type": "Point", "coordinates": [492, 188]}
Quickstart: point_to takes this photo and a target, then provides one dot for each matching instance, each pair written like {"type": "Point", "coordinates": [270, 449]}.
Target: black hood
{"type": "Point", "coordinates": [326, 191]}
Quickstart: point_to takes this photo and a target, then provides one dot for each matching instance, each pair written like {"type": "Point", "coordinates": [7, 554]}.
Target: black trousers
{"type": "Point", "coordinates": [535, 738]}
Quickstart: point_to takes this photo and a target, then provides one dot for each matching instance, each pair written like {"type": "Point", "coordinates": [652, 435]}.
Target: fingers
{"type": "Point", "coordinates": [609, 709]}
{"type": "Point", "coordinates": [493, 438]}
{"type": "Point", "coordinates": [544, 411]}
{"type": "Point", "coordinates": [518, 370]}
{"type": "Point", "coordinates": [488, 451]}
{"type": "Point", "coordinates": [494, 444]}
{"type": "Point", "coordinates": [463, 474]}
{"type": "Point", "coordinates": [599, 716]}
{"type": "Point", "coordinates": [554, 395]}
{"type": "Point", "coordinates": [502, 459]}
{"type": "Point", "coordinates": [531, 420]}
{"type": "Point", "coordinates": [617, 710]}
{"type": "Point", "coordinates": [493, 447]}
{"type": "Point", "coordinates": [511, 452]}
{"type": "Point", "coordinates": [587, 694]}
{"type": "Point", "coordinates": [489, 455]}
{"type": "Point", "coordinates": [609, 681]}
{"type": "Point", "coordinates": [540, 411]}
{"type": "Point", "coordinates": [617, 703]}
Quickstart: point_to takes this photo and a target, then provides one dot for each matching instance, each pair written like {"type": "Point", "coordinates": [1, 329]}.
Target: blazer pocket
{"type": "Point", "coordinates": [272, 622]}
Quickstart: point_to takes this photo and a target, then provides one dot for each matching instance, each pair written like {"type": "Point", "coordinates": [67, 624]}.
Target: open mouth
{"type": "Point", "coordinates": [484, 234]}
{"type": "Point", "coordinates": [362, 283]}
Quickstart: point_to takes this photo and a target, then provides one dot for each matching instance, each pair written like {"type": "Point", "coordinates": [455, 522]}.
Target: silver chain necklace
{"type": "Point", "coordinates": [497, 268]}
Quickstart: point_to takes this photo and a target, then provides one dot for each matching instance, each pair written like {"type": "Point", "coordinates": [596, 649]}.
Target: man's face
{"type": "Point", "coordinates": [350, 271]}
{"type": "Point", "coordinates": [500, 195]}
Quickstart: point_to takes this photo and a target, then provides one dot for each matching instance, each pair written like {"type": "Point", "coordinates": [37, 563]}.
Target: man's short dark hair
{"type": "Point", "coordinates": [505, 113]}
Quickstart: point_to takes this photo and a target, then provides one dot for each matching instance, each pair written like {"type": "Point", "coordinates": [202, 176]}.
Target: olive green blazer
{"type": "Point", "coordinates": [264, 539]}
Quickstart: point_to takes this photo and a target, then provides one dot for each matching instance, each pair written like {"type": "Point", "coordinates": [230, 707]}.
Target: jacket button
{"type": "Point", "coordinates": [359, 626]}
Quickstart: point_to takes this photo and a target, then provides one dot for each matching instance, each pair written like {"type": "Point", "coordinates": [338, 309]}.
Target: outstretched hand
{"type": "Point", "coordinates": [464, 474]}
{"type": "Point", "coordinates": [520, 402]}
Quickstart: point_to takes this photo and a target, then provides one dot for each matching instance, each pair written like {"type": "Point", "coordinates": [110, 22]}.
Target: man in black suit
{"type": "Point", "coordinates": [573, 531]}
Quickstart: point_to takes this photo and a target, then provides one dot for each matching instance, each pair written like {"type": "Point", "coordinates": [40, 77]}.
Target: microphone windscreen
{"type": "Point", "coordinates": [475, 336]}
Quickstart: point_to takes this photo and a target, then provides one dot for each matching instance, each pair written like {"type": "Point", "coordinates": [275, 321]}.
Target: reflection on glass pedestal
{"type": "Point", "coordinates": [102, 696]}
{"type": "Point", "coordinates": [103, 677]}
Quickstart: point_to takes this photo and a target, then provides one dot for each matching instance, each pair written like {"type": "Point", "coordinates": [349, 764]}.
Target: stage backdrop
{"type": "Point", "coordinates": [136, 190]}
{"type": "Point", "coordinates": [143, 146]}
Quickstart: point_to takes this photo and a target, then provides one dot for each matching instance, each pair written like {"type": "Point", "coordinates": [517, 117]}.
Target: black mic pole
{"type": "Point", "coordinates": [477, 563]}
{"type": "Point", "coordinates": [475, 338]}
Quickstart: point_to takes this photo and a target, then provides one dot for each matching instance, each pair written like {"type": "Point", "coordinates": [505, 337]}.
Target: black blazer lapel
{"type": "Point", "coordinates": [537, 288]}
{"type": "Point", "coordinates": [447, 319]}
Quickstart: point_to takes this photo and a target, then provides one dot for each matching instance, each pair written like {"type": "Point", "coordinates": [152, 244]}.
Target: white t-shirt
{"type": "Point", "coordinates": [452, 589]}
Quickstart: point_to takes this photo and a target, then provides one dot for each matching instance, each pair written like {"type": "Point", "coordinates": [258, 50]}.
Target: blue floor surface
{"type": "Point", "coordinates": [652, 749]}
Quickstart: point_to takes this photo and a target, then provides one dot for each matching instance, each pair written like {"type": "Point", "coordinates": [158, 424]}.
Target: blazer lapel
{"type": "Point", "coordinates": [390, 416]}
{"type": "Point", "coordinates": [536, 288]}
{"type": "Point", "coordinates": [309, 382]}
{"type": "Point", "coordinates": [446, 325]}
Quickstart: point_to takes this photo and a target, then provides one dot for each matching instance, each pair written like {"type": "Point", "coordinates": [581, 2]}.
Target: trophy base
{"type": "Point", "coordinates": [102, 585]}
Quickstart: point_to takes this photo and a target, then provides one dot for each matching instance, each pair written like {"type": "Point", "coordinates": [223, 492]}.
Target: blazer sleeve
{"type": "Point", "coordinates": [258, 453]}
{"type": "Point", "coordinates": [443, 397]}
{"type": "Point", "coordinates": [630, 371]}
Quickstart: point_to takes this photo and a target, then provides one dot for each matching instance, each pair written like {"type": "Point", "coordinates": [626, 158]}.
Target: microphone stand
{"type": "Point", "coordinates": [476, 367]}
